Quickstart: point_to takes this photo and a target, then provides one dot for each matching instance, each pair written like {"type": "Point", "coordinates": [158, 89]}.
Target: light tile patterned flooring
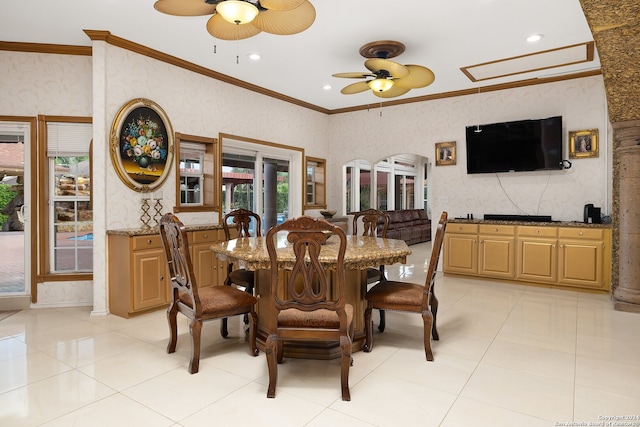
{"type": "Point", "coordinates": [509, 355]}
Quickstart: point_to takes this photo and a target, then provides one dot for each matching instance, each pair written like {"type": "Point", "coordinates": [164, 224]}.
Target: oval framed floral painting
{"type": "Point", "coordinates": [141, 145]}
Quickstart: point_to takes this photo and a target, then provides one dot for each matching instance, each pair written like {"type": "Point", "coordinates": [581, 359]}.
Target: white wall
{"type": "Point", "coordinates": [415, 128]}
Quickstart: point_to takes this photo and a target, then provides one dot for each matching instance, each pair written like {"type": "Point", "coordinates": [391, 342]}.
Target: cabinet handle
{"type": "Point", "coordinates": [496, 228]}
{"type": "Point", "coordinates": [537, 231]}
{"type": "Point", "coordinates": [580, 233]}
{"type": "Point", "coordinates": [162, 278]}
{"type": "Point", "coordinates": [206, 236]}
{"type": "Point", "coordinates": [149, 242]}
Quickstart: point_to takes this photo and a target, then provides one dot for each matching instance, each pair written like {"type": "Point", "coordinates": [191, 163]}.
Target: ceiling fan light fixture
{"type": "Point", "coordinates": [380, 85]}
{"type": "Point", "coordinates": [237, 11]}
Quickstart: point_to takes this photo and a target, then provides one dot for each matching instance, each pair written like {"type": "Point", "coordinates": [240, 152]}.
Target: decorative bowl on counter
{"type": "Point", "coordinates": [328, 213]}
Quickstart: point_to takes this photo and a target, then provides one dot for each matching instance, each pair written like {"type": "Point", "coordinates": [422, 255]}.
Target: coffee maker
{"type": "Point", "coordinates": [592, 214]}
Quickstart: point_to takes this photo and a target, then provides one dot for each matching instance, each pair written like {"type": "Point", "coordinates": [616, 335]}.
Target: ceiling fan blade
{"type": "Point", "coordinates": [419, 76]}
{"type": "Point", "coordinates": [184, 7]}
{"type": "Point", "coordinates": [280, 4]}
{"type": "Point", "coordinates": [391, 93]}
{"type": "Point", "coordinates": [354, 75]}
{"type": "Point", "coordinates": [285, 22]}
{"type": "Point", "coordinates": [221, 29]}
{"type": "Point", "coordinates": [396, 70]}
{"type": "Point", "coordinates": [354, 88]}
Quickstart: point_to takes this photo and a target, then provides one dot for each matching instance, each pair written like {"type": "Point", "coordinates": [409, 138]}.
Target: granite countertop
{"type": "Point", "coordinates": [531, 223]}
{"type": "Point", "coordinates": [155, 230]}
{"type": "Point", "coordinates": [362, 252]}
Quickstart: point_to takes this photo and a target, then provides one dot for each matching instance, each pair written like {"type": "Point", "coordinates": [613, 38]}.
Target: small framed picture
{"type": "Point", "coordinates": [445, 153]}
{"type": "Point", "coordinates": [583, 143]}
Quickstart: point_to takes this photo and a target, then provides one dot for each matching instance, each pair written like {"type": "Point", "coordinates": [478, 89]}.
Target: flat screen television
{"type": "Point", "coordinates": [524, 145]}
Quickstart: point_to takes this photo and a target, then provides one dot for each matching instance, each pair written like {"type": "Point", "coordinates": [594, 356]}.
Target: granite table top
{"type": "Point", "coordinates": [530, 223]}
{"type": "Point", "coordinates": [362, 252]}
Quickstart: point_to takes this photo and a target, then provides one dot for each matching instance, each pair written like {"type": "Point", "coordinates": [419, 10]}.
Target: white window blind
{"type": "Point", "coordinates": [66, 139]}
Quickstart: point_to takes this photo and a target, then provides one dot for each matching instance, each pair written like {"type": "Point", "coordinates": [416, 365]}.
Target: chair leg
{"type": "Point", "coordinates": [195, 328]}
{"type": "Point", "coordinates": [172, 313]}
{"type": "Point", "coordinates": [383, 321]}
{"type": "Point", "coordinates": [433, 303]}
{"type": "Point", "coordinates": [249, 290]}
{"type": "Point", "coordinates": [253, 326]}
{"type": "Point", "coordinates": [368, 326]}
{"type": "Point", "coordinates": [427, 318]}
{"type": "Point", "coordinates": [345, 348]}
{"type": "Point", "coordinates": [224, 331]}
{"type": "Point", "coordinates": [280, 351]}
{"type": "Point", "coordinates": [270, 350]}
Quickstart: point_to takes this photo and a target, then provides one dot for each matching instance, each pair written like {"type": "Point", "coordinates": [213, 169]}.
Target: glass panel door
{"type": "Point", "coordinates": [14, 212]}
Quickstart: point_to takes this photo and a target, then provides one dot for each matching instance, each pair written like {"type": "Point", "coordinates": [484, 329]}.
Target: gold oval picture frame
{"type": "Point", "coordinates": [141, 145]}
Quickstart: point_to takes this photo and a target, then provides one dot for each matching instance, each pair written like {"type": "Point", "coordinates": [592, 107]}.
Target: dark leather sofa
{"type": "Point", "coordinates": [411, 225]}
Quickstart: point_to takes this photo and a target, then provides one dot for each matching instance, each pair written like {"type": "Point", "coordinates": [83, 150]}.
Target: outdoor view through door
{"type": "Point", "coordinates": [13, 196]}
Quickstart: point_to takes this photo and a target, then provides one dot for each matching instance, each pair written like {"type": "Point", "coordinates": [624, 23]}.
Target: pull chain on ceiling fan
{"type": "Point", "coordinates": [241, 19]}
{"type": "Point", "coordinates": [386, 79]}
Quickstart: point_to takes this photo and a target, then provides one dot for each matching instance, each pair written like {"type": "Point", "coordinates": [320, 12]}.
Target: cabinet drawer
{"type": "Point", "coordinates": [152, 241]}
{"type": "Point", "coordinates": [534, 231]}
{"type": "Point", "coordinates": [205, 236]}
{"type": "Point", "coordinates": [582, 233]}
{"type": "Point", "coordinates": [462, 228]}
{"type": "Point", "coordinates": [501, 230]}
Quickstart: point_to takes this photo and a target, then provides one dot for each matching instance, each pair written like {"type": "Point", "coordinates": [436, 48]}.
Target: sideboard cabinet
{"type": "Point", "coordinates": [138, 274]}
{"type": "Point", "coordinates": [569, 256]}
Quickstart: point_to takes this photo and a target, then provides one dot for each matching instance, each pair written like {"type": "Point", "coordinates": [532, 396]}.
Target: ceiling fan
{"type": "Point", "coordinates": [386, 79]}
{"type": "Point", "coordinates": [241, 19]}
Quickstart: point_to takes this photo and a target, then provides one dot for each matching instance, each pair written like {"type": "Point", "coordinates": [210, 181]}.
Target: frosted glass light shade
{"type": "Point", "coordinates": [237, 12]}
{"type": "Point", "coordinates": [380, 85]}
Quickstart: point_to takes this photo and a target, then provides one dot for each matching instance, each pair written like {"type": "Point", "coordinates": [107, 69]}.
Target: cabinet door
{"type": "Point", "coordinates": [497, 257]}
{"type": "Point", "coordinates": [460, 254]}
{"type": "Point", "coordinates": [206, 266]}
{"type": "Point", "coordinates": [581, 263]}
{"type": "Point", "coordinates": [537, 260]}
{"type": "Point", "coordinates": [150, 279]}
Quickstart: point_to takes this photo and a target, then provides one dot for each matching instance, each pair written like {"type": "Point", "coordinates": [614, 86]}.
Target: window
{"type": "Point", "coordinates": [70, 215]}
{"type": "Point", "coordinates": [315, 186]}
{"type": "Point", "coordinates": [196, 190]}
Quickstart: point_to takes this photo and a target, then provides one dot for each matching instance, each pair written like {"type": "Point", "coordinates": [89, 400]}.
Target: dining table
{"type": "Point", "coordinates": [362, 252]}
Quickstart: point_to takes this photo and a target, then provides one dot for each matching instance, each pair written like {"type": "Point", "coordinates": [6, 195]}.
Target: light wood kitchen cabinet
{"type": "Point", "coordinates": [496, 256]}
{"type": "Point", "coordinates": [461, 249]}
{"type": "Point", "coordinates": [209, 270]}
{"type": "Point", "coordinates": [568, 256]}
{"type": "Point", "coordinates": [537, 254]}
{"type": "Point", "coordinates": [138, 274]}
{"type": "Point", "coordinates": [582, 260]}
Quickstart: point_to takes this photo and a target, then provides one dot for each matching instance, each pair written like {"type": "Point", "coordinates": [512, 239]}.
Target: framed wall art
{"type": "Point", "coordinates": [141, 145]}
{"type": "Point", "coordinates": [445, 153]}
{"type": "Point", "coordinates": [583, 143]}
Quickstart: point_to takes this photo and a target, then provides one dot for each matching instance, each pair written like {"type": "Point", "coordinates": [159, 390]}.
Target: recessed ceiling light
{"type": "Point", "coordinates": [326, 87]}
{"type": "Point", "coordinates": [534, 38]}
{"type": "Point", "coordinates": [254, 56]}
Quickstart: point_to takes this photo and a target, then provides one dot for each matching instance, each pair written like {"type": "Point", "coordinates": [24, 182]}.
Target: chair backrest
{"type": "Point", "coordinates": [176, 250]}
{"type": "Point", "coordinates": [307, 284]}
{"type": "Point", "coordinates": [372, 221]}
{"type": "Point", "coordinates": [436, 248]}
{"type": "Point", "coordinates": [241, 222]}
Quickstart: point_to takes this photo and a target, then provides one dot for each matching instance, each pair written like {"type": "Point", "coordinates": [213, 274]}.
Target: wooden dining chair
{"type": "Point", "coordinates": [409, 297]}
{"type": "Point", "coordinates": [198, 304]}
{"type": "Point", "coordinates": [307, 308]}
{"type": "Point", "coordinates": [240, 221]}
{"type": "Point", "coordinates": [375, 223]}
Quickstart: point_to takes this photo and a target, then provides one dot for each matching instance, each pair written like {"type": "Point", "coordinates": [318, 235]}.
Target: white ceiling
{"type": "Point", "coordinates": [444, 35]}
